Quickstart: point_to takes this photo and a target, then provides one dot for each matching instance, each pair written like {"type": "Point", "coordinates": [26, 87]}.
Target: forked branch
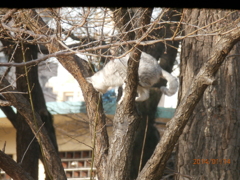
{"type": "Point", "coordinates": [155, 166]}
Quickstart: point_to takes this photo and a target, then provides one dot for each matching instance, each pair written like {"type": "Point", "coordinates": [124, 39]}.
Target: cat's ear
{"type": "Point", "coordinates": [89, 79]}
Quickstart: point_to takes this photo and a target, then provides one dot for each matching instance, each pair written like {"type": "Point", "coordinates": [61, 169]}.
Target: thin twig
{"type": "Point", "coordinates": [144, 141]}
{"type": "Point", "coordinates": [8, 15]}
{"type": "Point", "coordinates": [31, 143]}
{"type": "Point", "coordinates": [15, 92]}
{"type": "Point", "coordinates": [234, 55]}
{"type": "Point", "coordinates": [178, 26]}
{"type": "Point", "coordinates": [5, 74]}
{"type": "Point", "coordinates": [4, 146]}
{"type": "Point", "coordinates": [209, 24]}
{"type": "Point", "coordinates": [76, 140]}
{"type": "Point", "coordinates": [3, 150]}
{"type": "Point", "coordinates": [66, 52]}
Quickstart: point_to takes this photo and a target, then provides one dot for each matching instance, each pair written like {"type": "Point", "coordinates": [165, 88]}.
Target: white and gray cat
{"type": "Point", "coordinates": [114, 74]}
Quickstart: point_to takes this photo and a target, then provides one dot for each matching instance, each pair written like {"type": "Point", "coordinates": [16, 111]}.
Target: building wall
{"type": "Point", "coordinates": [73, 137]}
{"type": "Point", "coordinates": [8, 135]}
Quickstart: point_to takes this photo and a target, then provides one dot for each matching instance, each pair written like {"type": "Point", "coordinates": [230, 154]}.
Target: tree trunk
{"type": "Point", "coordinates": [24, 132]}
{"type": "Point", "coordinates": [79, 69]}
{"type": "Point", "coordinates": [24, 135]}
{"type": "Point", "coordinates": [148, 108]}
{"type": "Point", "coordinates": [113, 162]}
{"type": "Point", "coordinates": [126, 119]}
{"type": "Point", "coordinates": [208, 147]}
{"type": "Point", "coordinates": [8, 164]}
{"type": "Point", "coordinates": [50, 155]}
{"type": "Point", "coordinates": [205, 77]}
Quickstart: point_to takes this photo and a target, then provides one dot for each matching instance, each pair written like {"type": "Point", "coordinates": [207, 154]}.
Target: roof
{"type": "Point", "coordinates": [69, 107]}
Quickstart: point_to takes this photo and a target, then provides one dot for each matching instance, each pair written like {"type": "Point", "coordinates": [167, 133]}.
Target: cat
{"type": "Point", "coordinates": [114, 74]}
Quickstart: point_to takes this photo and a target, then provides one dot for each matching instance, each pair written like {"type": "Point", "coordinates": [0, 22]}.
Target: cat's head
{"type": "Point", "coordinates": [97, 84]}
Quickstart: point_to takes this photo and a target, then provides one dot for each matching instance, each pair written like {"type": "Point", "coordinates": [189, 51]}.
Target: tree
{"type": "Point", "coordinates": [112, 158]}
{"type": "Point", "coordinates": [27, 156]}
{"type": "Point", "coordinates": [209, 141]}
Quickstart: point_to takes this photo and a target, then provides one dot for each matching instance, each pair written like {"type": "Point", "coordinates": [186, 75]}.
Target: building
{"type": "Point", "coordinates": [70, 121]}
{"type": "Point", "coordinates": [66, 104]}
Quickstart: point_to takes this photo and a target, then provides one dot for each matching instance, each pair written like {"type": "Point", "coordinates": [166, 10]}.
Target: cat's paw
{"type": "Point", "coordinates": [141, 98]}
{"type": "Point", "coordinates": [120, 101]}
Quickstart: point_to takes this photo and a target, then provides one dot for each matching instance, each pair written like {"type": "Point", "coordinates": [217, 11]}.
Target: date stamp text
{"type": "Point", "coordinates": [211, 161]}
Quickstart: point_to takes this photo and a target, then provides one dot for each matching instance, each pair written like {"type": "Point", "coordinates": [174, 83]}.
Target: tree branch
{"type": "Point", "coordinates": [10, 114]}
{"type": "Point", "coordinates": [155, 166]}
{"type": "Point", "coordinates": [8, 164]}
{"type": "Point", "coordinates": [51, 157]}
{"type": "Point", "coordinates": [8, 15]}
{"type": "Point", "coordinates": [5, 103]}
{"type": "Point", "coordinates": [8, 111]}
{"type": "Point", "coordinates": [126, 119]}
{"type": "Point", "coordinates": [65, 52]}
{"type": "Point", "coordinates": [80, 69]}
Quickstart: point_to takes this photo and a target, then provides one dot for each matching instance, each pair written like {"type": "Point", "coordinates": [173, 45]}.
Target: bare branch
{"type": "Point", "coordinates": [8, 164]}
{"type": "Point", "coordinates": [8, 15]}
{"type": "Point", "coordinates": [126, 120]}
{"type": "Point", "coordinates": [31, 142]}
{"type": "Point", "coordinates": [132, 32]}
{"type": "Point", "coordinates": [155, 166]}
{"type": "Point", "coordinates": [50, 155]}
{"type": "Point", "coordinates": [10, 114]}
{"type": "Point", "coordinates": [37, 61]}
{"type": "Point", "coordinates": [5, 103]}
{"type": "Point", "coordinates": [18, 30]}
{"type": "Point", "coordinates": [80, 69]}
{"type": "Point", "coordinates": [72, 51]}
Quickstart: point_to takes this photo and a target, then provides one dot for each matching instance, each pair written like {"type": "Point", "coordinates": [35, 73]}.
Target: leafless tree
{"type": "Point", "coordinates": [132, 31]}
{"type": "Point", "coordinates": [210, 137]}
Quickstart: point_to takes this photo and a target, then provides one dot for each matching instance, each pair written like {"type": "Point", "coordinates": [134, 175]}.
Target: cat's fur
{"type": "Point", "coordinates": [149, 72]}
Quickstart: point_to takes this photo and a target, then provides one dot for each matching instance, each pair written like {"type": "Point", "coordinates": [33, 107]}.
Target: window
{"type": "Point", "coordinates": [77, 165]}
{"type": "Point", "coordinates": [68, 96]}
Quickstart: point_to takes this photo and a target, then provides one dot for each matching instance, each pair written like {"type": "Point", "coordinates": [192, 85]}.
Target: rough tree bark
{"type": "Point", "coordinates": [8, 164]}
{"type": "Point", "coordinates": [24, 133]}
{"type": "Point", "coordinates": [211, 137]}
{"type": "Point", "coordinates": [147, 109]}
{"type": "Point", "coordinates": [126, 119]}
{"type": "Point", "coordinates": [50, 155]}
{"type": "Point", "coordinates": [205, 77]}
{"type": "Point", "coordinates": [79, 69]}
{"type": "Point", "coordinates": [124, 124]}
